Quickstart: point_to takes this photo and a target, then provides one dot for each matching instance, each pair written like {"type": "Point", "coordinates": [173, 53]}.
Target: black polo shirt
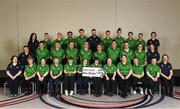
{"type": "Point", "coordinates": [151, 55]}
{"type": "Point", "coordinates": [155, 42]}
{"type": "Point", "coordinates": [165, 68]}
{"type": "Point", "coordinates": [13, 70]}
{"type": "Point", "coordinates": [23, 58]}
{"type": "Point", "coordinates": [93, 42]}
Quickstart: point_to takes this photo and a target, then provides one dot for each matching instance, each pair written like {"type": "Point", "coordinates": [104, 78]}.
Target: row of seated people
{"type": "Point", "coordinates": [124, 74]}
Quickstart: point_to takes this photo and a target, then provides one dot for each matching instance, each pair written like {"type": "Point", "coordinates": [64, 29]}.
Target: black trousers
{"type": "Point", "coordinates": [168, 85]}
{"type": "Point", "coordinates": [135, 83]}
{"type": "Point", "coordinates": [28, 85]}
{"type": "Point", "coordinates": [97, 81]}
{"type": "Point", "coordinates": [54, 85]}
{"type": "Point", "coordinates": [69, 82]}
{"type": "Point", "coordinates": [110, 84]}
{"type": "Point", "coordinates": [124, 85]}
{"type": "Point", "coordinates": [13, 85]}
{"type": "Point", "coordinates": [82, 83]}
{"type": "Point", "coordinates": [42, 85]}
{"type": "Point", "coordinates": [153, 85]}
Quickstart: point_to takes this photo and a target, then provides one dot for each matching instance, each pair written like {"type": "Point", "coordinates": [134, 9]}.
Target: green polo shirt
{"type": "Point", "coordinates": [101, 56]}
{"type": "Point", "coordinates": [42, 69]}
{"type": "Point", "coordinates": [72, 53]}
{"type": "Point", "coordinates": [124, 68]}
{"type": "Point", "coordinates": [132, 43]}
{"type": "Point", "coordinates": [110, 69]}
{"type": "Point", "coordinates": [143, 42]}
{"type": "Point", "coordinates": [141, 56]}
{"type": "Point", "coordinates": [120, 41]}
{"type": "Point", "coordinates": [55, 41]}
{"type": "Point", "coordinates": [56, 69]}
{"type": "Point", "coordinates": [85, 54]}
{"type": "Point", "coordinates": [93, 65]}
{"type": "Point", "coordinates": [57, 53]}
{"type": "Point", "coordinates": [137, 69]}
{"type": "Point", "coordinates": [113, 53]}
{"type": "Point", "coordinates": [153, 69]}
{"type": "Point", "coordinates": [129, 55]}
{"type": "Point", "coordinates": [70, 68]}
{"type": "Point", "coordinates": [80, 41]}
{"type": "Point", "coordinates": [106, 43]}
{"type": "Point", "coordinates": [44, 53]}
{"type": "Point", "coordinates": [66, 42]}
{"type": "Point", "coordinates": [47, 44]}
{"type": "Point", "coordinates": [30, 70]}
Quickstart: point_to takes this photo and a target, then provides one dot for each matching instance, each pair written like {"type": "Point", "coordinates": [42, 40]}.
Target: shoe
{"type": "Point", "coordinates": [71, 93]}
{"type": "Point", "coordinates": [141, 92]}
{"type": "Point", "coordinates": [134, 92]}
{"type": "Point", "coordinates": [66, 92]}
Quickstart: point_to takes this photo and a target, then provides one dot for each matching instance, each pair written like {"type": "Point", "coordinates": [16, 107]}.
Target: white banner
{"type": "Point", "coordinates": [92, 72]}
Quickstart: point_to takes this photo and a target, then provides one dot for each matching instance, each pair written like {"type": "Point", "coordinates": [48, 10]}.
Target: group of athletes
{"type": "Point", "coordinates": [129, 63]}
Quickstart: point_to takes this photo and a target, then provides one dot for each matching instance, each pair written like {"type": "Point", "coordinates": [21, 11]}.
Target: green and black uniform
{"type": "Point", "coordinates": [120, 42]}
{"type": "Point", "coordinates": [42, 85]}
{"type": "Point", "coordinates": [128, 54]}
{"type": "Point", "coordinates": [97, 82]}
{"type": "Point", "coordinates": [110, 84]}
{"type": "Point", "coordinates": [54, 83]}
{"type": "Point", "coordinates": [124, 85]}
{"type": "Point", "coordinates": [101, 56]}
{"type": "Point", "coordinates": [106, 43]}
{"type": "Point", "coordinates": [72, 53]}
{"type": "Point", "coordinates": [69, 78]}
{"type": "Point", "coordinates": [80, 41]}
{"type": "Point", "coordinates": [153, 71]}
{"type": "Point", "coordinates": [61, 41]}
{"type": "Point", "coordinates": [55, 53]}
{"type": "Point", "coordinates": [132, 44]}
{"type": "Point", "coordinates": [113, 53]}
{"type": "Point", "coordinates": [141, 56]}
{"type": "Point", "coordinates": [41, 53]}
{"type": "Point", "coordinates": [85, 54]}
{"type": "Point", "coordinates": [143, 42]}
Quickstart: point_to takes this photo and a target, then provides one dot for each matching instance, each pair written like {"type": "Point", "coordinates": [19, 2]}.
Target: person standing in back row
{"type": "Point", "coordinates": [93, 40]}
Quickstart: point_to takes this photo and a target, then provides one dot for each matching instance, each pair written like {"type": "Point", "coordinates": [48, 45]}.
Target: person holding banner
{"type": "Point", "coordinates": [110, 77]}
{"type": "Point", "coordinates": [69, 78]}
{"type": "Point", "coordinates": [97, 81]}
{"type": "Point", "coordinates": [82, 80]}
{"type": "Point", "coordinates": [124, 71]}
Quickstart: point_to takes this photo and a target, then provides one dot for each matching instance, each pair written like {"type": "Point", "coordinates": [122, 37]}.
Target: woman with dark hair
{"type": "Point", "coordinates": [42, 73]}
{"type": "Point", "coordinates": [29, 74]}
{"type": "Point", "coordinates": [152, 53]}
{"type": "Point", "coordinates": [119, 39]}
{"type": "Point", "coordinates": [166, 75]}
{"type": "Point", "coordinates": [13, 72]}
{"type": "Point", "coordinates": [33, 43]}
{"type": "Point", "coordinates": [124, 70]}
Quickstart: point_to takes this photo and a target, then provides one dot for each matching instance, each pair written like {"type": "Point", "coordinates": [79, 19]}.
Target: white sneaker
{"type": "Point", "coordinates": [66, 92]}
{"type": "Point", "coordinates": [134, 92]}
{"type": "Point", "coordinates": [141, 92]}
{"type": "Point", "coordinates": [71, 93]}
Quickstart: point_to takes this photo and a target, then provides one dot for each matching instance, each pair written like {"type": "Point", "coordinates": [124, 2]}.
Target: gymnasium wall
{"type": "Point", "coordinates": [19, 18]}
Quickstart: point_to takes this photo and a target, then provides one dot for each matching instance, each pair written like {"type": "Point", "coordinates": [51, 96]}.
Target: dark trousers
{"type": "Point", "coordinates": [124, 85]}
{"type": "Point", "coordinates": [54, 85]}
{"type": "Point", "coordinates": [167, 85]}
{"type": "Point", "coordinates": [153, 85]}
{"type": "Point", "coordinates": [97, 81]}
{"type": "Point", "coordinates": [69, 82]}
{"type": "Point", "coordinates": [28, 85]}
{"type": "Point", "coordinates": [13, 85]}
{"type": "Point", "coordinates": [42, 85]}
{"type": "Point", "coordinates": [82, 83]}
{"type": "Point", "coordinates": [110, 84]}
{"type": "Point", "coordinates": [135, 83]}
